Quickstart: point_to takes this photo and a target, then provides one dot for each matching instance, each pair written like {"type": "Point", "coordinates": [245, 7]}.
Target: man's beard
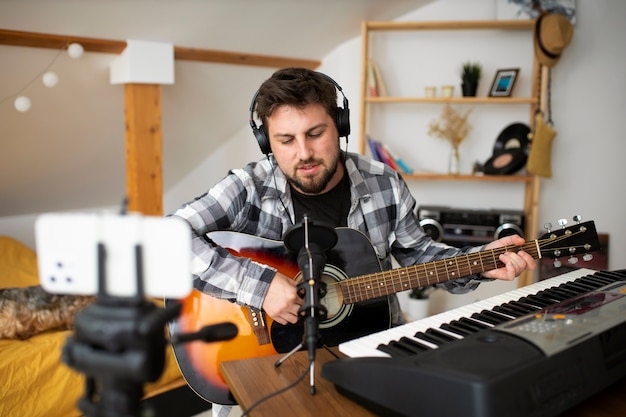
{"type": "Point", "coordinates": [310, 185]}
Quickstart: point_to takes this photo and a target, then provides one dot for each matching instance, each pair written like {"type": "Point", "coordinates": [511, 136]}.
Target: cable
{"type": "Point", "coordinates": [276, 186]}
{"type": "Point", "coordinates": [275, 393]}
{"type": "Point", "coordinates": [35, 78]}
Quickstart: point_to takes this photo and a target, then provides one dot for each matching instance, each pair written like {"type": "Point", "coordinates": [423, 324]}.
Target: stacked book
{"type": "Point", "coordinates": [382, 153]}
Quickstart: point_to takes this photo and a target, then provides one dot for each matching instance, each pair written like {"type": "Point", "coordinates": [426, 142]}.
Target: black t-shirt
{"type": "Point", "coordinates": [331, 207]}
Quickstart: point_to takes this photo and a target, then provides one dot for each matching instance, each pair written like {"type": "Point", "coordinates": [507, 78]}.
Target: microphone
{"type": "Point", "coordinates": [211, 333]}
{"type": "Point", "coordinates": [311, 261]}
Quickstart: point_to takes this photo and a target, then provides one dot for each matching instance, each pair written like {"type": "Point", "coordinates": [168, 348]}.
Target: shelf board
{"type": "Point", "coordinates": [466, 100]}
{"type": "Point", "coordinates": [467, 177]}
{"type": "Point", "coordinates": [454, 25]}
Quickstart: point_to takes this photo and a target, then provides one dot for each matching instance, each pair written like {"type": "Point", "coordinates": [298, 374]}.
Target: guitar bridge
{"type": "Point", "coordinates": [259, 325]}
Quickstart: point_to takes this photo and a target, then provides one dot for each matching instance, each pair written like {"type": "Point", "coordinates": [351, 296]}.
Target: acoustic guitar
{"type": "Point", "coordinates": [355, 306]}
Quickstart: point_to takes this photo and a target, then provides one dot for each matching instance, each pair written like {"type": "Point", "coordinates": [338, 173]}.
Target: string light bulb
{"type": "Point", "coordinates": [22, 104]}
{"type": "Point", "coordinates": [75, 50]}
{"type": "Point", "coordinates": [50, 79]}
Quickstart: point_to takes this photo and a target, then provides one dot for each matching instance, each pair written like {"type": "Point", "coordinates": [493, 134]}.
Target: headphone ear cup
{"type": "Point", "coordinates": [262, 140]}
{"type": "Point", "coordinates": [343, 121]}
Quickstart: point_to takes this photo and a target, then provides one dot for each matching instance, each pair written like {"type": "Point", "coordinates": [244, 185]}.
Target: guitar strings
{"type": "Point", "coordinates": [400, 279]}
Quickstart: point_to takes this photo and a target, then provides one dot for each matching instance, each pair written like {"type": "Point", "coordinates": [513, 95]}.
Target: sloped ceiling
{"type": "Point", "coordinates": [67, 152]}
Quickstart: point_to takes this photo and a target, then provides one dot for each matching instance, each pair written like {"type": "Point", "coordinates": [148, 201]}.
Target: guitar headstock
{"type": "Point", "coordinates": [569, 241]}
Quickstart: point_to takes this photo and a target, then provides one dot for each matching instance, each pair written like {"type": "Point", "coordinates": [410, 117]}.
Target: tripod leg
{"type": "Point", "coordinates": [288, 355]}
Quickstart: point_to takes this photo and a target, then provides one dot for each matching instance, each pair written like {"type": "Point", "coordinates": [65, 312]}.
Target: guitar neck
{"type": "Point", "coordinates": [367, 287]}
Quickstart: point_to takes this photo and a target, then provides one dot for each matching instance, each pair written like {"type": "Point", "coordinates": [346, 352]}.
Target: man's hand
{"type": "Point", "coordinates": [514, 263]}
{"type": "Point", "coordinates": [282, 301]}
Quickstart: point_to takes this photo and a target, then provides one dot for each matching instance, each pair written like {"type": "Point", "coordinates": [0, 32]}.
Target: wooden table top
{"type": "Point", "coordinates": [252, 379]}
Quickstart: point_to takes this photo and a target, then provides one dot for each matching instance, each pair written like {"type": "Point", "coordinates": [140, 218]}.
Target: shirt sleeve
{"type": "Point", "coordinates": [216, 271]}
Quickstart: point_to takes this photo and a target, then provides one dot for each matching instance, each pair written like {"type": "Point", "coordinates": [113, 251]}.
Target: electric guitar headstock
{"type": "Point", "coordinates": [569, 241]}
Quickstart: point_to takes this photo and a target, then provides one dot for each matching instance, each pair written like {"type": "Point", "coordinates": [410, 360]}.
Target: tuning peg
{"type": "Point", "coordinates": [562, 223]}
{"type": "Point", "coordinates": [572, 260]}
{"type": "Point", "coordinates": [548, 227]}
{"type": "Point", "coordinates": [557, 263]}
{"type": "Point", "coordinates": [577, 218]}
{"type": "Point", "coordinates": [587, 257]}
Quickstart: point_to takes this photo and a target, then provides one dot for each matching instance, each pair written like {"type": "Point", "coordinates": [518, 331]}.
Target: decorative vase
{"type": "Point", "coordinates": [469, 89]}
{"type": "Point", "coordinates": [453, 164]}
{"type": "Point", "coordinates": [447, 91]}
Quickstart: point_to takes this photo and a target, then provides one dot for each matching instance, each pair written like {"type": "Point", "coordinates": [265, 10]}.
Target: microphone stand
{"type": "Point", "coordinates": [311, 261]}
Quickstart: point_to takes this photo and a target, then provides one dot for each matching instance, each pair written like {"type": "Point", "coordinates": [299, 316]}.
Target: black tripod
{"type": "Point", "coordinates": [119, 344]}
{"type": "Point", "coordinates": [310, 241]}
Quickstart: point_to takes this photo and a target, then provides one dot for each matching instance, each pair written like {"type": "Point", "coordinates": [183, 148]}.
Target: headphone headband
{"type": "Point", "coordinates": [342, 120]}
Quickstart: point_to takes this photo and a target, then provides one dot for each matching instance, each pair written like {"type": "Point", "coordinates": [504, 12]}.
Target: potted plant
{"type": "Point", "coordinates": [418, 302]}
{"type": "Point", "coordinates": [470, 76]}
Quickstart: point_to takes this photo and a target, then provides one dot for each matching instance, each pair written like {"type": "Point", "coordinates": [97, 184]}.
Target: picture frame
{"type": "Point", "coordinates": [503, 82]}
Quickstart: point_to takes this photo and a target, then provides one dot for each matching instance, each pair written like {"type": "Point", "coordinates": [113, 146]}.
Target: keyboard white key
{"type": "Point", "coordinates": [367, 346]}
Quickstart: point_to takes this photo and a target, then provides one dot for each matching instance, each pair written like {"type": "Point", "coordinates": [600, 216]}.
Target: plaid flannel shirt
{"type": "Point", "coordinates": [254, 200]}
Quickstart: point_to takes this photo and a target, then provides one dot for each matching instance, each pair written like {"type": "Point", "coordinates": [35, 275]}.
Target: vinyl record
{"type": "Point", "coordinates": [514, 136]}
{"type": "Point", "coordinates": [508, 161]}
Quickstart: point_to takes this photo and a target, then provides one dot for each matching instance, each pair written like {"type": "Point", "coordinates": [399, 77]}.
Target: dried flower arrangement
{"type": "Point", "coordinates": [452, 127]}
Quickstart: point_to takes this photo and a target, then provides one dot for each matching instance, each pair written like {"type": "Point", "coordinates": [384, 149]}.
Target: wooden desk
{"type": "Point", "coordinates": [251, 379]}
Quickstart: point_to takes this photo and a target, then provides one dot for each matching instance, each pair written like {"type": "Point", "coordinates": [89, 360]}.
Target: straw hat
{"type": "Point", "coordinates": [553, 32]}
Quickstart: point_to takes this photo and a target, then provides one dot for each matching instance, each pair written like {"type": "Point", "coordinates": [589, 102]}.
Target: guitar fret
{"type": "Point", "coordinates": [469, 264]}
{"type": "Point", "coordinates": [429, 274]}
{"type": "Point", "coordinates": [445, 264]}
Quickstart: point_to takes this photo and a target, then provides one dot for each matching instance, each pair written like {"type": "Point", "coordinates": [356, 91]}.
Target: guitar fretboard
{"type": "Point", "coordinates": [389, 282]}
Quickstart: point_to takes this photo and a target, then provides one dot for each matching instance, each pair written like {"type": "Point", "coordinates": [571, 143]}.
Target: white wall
{"type": "Point", "coordinates": [586, 169]}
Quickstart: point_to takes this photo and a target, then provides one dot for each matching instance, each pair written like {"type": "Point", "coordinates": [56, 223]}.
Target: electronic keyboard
{"type": "Point", "coordinates": [534, 351]}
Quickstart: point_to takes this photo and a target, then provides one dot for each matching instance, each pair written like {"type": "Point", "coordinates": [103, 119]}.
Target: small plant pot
{"type": "Point", "coordinates": [469, 89]}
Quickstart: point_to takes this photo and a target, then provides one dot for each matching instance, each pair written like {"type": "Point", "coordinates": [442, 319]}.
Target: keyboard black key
{"type": "Point", "coordinates": [467, 326]}
{"type": "Point", "coordinates": [456, 329]}
{"type": "Point", "coordinates": [550, 296]}
{"type": "Point", "coordinates": [502, 318]}
{"type": "Point", "coordinates": [508, 311]}
{"type": "Point", "coordinates": [396, 350]}
{"type": "Point", "coordinates": [536, 300]}
{"type": "Point", "coordinates": [528, 308]}
{"type": "Point", "coordinates": [441, 335]}
{"type": "Point", "coordinates": [429, 338]}
{"type": "Point", "coordinates": [485, 318]}
{"type": "Point", "coordinates": [579, 287]}
{"type": "Point", "coordinates": [519, 310]}
{"type": "Point", "coordinates": [473, 323]}
{"type": "Point", "coordinates": [413, 345]}
{"type": "Point", "coordinates": [562, 293]}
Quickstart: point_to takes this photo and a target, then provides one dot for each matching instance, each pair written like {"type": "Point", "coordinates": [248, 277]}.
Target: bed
{"type": "Point", "coordinates": [35, 382]}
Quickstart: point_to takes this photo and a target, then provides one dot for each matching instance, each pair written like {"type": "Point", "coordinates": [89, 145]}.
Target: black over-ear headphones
{"type": "Point", "coordinates": [342, 121]}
